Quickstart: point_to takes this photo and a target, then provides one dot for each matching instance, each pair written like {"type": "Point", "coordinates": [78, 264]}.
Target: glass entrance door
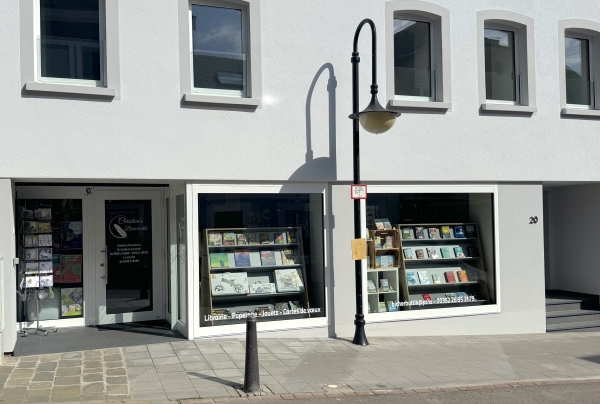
{"type": "Point", "coordinates": [129, 255]}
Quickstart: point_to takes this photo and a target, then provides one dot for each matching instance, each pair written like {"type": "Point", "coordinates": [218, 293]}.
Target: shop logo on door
{"type": "Point", "coordinates": [120, 225]}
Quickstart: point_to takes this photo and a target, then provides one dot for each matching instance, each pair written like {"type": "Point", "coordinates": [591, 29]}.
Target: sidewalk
{"type": "Point", "coordinates": [300, 367]}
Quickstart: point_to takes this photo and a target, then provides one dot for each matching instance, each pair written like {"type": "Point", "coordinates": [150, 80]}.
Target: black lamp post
{"type": "Point", "coordinates": [374, 119]}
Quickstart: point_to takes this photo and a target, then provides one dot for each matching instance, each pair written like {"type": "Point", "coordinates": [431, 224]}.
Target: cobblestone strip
{"type": "Point", "coordinates": [87, 376]}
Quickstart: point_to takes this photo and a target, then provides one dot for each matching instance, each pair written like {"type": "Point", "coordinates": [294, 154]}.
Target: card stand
{"type": "Point", "coordinates": [381, 266]}
{"type": "Point", "coordinates": [380, 296]}
{"type": "Point", "coordinates": [442, 293]}
{"type": "Point", "coordinates": [245, 303]}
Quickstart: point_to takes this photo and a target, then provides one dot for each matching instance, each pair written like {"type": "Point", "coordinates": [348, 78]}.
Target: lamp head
{"type": "Point", "coordinates": [376, 119]}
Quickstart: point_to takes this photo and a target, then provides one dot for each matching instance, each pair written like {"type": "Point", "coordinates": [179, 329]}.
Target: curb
{"type": "Point", "coordinates": [305, 396]}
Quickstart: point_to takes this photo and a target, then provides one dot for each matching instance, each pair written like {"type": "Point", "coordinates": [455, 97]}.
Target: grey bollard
{"type": "Point", "coordinates": [251, 377]}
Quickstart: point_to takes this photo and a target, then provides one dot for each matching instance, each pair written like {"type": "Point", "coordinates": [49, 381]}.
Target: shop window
{"type": "Point", "coordinates": [430, 251]}
{"type": "Point", "coordinates": [262, 254]}
{"type": "Point", "coordinates": [50, 250]}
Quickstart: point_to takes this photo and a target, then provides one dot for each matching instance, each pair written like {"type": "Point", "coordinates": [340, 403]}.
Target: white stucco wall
{"type": "Point", "coordinates": [148, 134]}
{"type": "Point", "coordinates": [7, 253]}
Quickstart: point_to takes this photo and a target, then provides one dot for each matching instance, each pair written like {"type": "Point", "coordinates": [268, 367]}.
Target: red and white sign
{"type": "Point", "coordinates": [358, 191]}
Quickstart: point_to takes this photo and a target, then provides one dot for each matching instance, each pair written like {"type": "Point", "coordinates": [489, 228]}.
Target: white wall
{"type": "Point", "coordinates": [7, 253]}
{"type": "Point", "coordinates": [574, 233]}
{"type": "Point", "coordinates": [521, 273]}
{"type": "Point", "coordinates": [147, 134]}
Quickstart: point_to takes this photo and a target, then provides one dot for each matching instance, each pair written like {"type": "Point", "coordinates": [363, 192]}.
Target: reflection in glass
{"type": "Point", "coordinates": [500, 65]}
{"type": "Point", "coordinates": [412, 58]}
{"type": "Point", "coordinates": [577, 71]}
{"type": "Point", "coordinates": [70, 39]}
{"type": "Point", "coordinates": [218, 57]}
{"type": "Point", "coordinates": [181, 257]}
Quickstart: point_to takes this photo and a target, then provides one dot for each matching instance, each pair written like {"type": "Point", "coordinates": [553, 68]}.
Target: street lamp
{"type": "Point", "coordinates": [374, 119]}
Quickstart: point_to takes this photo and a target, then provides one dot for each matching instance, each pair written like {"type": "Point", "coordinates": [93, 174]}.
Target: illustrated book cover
{"type": "Point", "coordinates": [241, 239]}
{"type": "Point", "coordinates": [253, 239]}
{"type": "Point", "coordinates": [242, 258]}
{"type": "Point", "coordinates": [371, 288]}
{"type": "Point", "coordinates": [436, 278]}
{"type": "Point", "coordinates": [433, 233]}
{"type": "Point", "coordinates": [45, 254]}
{"type": "Point", "coordinates": [44, 213]}
{"type": "Point", "coordinates": [470, 231]}
{"type": "Point", "coordinates": [420, 254]}
{"type": "Point", "coordinates": [46, 281]}
{"type": "Point", "coordinates": [32, 281]}
{"type": "Point", "coordinates": [228, 239]}
{"type": "Point", "coordinates": [214, 239]}
{"type": "Point", "coordinates": [30, 240]}
{"type": "Point", "coordinates": [71, 302]}
{"type": "Point", "coordinates": [44, 240]}
{"type": "Point", "coordinates": [408, 253]}
{"type": "Point", "coordinates": [459, 232]}
{"type": "Point", "coordinates": [288, 257]}
{"type": "Point", "coordinates": [391, 306]}
{"type": "Point", "coordinates": [450, 278]}
{"type": "Point", "coordinates": [264, 238]}
{"type": "Point", "coordinates": [229, 283]}
{"type": "Point", "coordinates": [219, 260]}
{"type": "Point", "coordinates": [381, 307]}
{"type": "Point", "coordinates": [262, 288]}
{"type": "Point", "coordinates": [289, 280]}
{"type": "Point", "coordinates": [459, 252]}
{"type": "Point", "coordinates": [386, 224]}
{"type": "Point", "coordinates": [267, 257]}
{"type": "Point", "coordinates": [462, 276]}
{"type": "Point", "coordinates": [389, 242]}
{"type": "Point", "coordinates": [423, 279]}
{"type": "Point", "coordinates": [31, 254]}
{"type": "Point", "coordinates": [446, 232]}
{"type": "Point", "coordinates": [31, 227]}
{"type": "Point", "coordinates": [419, 233]}
{"type": "Point", "coordinates": [384, 285]}
{"type": "Point", "coordinates": [291, 237]}
{"type": "Point", "coordinates": [279, 238]}
{"type": "Point", "coordinates": [378, 261]}
{"type": "Point", "coordinates": [426, 297]}
{"type": "Point", "coordinates": [432, 253]}
{"type": "Point", "coordinates": [406, 234]}
{"type": "Point", "coordinates": [472, 275]}
{"type": "Point", "coordinates": [44, 227]}
{"type": "Point", "coordinates": [70, 268]}
{"type": "Point", "coordinates": [379, 224]}
{"type": "Point", "coordinates": [377, 241]}
{"type": "Point", "coordinates": [31, 268]}
{"type": "Point", "coordinates": [446, 252]}
{"type": "Point", "coordinates": [411, 278]}
{"type": "Point", "coordinates": [71, 234]}
{"type": "Point", "coordinates": [45, 267]}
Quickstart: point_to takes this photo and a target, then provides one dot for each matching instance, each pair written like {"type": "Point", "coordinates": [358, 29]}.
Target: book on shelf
{"type": "Point", "coordinates": [219, 260]}
{"type": "Point", "coordinates": [289, 280]}
{"type": "Point", "coordinates": [446, 232]}
{"type": "Point", "coordinates": [461, 294]}
{"type": "Point", "coordinates": [44, 213]}
{"type": "Point", "coordinates": [386, 224]}
{"type": "Point", "coordinates": [459, 252]}
{"type": "Point", "coordinates": [426, 297]}
{"type": "Point", "coordinates": [45, 254]}
{"type": "Point", "coordinates": [288, 257]}
{"type": "Point", "coordinates": [419, 233]}
{"type": "Point", "coordinates": [384, 285]}
{"type": "Point", "coordinates": [262, 288]}
{"type": "Point", "coordinates": [391, 306]}
{"type": "Point", "coordinates": [451, 295]}
{"type": "Point", "coordinates": [381, 307]}
{"type": "Point", "coordinates": [432, 253]}
{"type": "Point", "coordinates": [295, 305]}
{"type": "Point", "coordinates": [378, 261]}
{"type": "Point", "coordinates": [279, 238]}
{"type": "Point", "coordinates": [472, 275]}
{"type": "Point", "coordinates": [229, 283]}
{"type": "Point", "coordinates": [389, 242]}
{"type": "Point", "coordinates": [472, 251]}
{"type": "Point", "coordinates": [262, 310]}
{"type": "Point", "coordinates": [282, 306]}
{"type": "Point", "coordinates": [242, 258]}
{"type": "Point", "coordinates": [44, 227]}
{"type": "Point", "coordinates": [462, 276]}
{"type": "Point", "coordinates": [379, 224]}
{"type": "Point", "coordinates": [267, 257]}
{"type": "Point", "coordinates": [377, 241]}
{"type": "Point", "coordinates": [411, 278]}
{"type": "Point", "coordinates": [459, 232]}
{"type": "Point", "coordinates": [450, 277]}
{"type": "Point", "coordinates": [44, 240]}
{"type": "Point", "coordinates": [446, 252]}
{"type": "Point", "coordinates": [228, 239]}
{"type": "Point", "coordinates": [46, 281]}
{"type": "Point", "coordinates": [406, 234]}
{"type": "Point", "coordinates": [420, 254]}
{"type": "Point", "coordinates": [264, 238]}
{"type": "Point", "coordinates": [253, 239]}
{"type": "Point", "coordinates": [32, 281]}
{"type": "Point", "coordinates": [368, 261]}
{"type": "Point", "coordinates": [470, 231]}
{"type": "Point", "coordinates": [371, 288]}
{"type": "Point", "coordinates": [387, 261]}
{"type": "Point", "coordinates": [221, 312]}
{"type": "Point", "coordinates": [241, 239]}
{"type": "Point", "coordinates": [31, 268]}
{"type": "Point", "coordinates": [436, 278]}
{"type": "Point", "coordinates": [408, 253]}
{"type": "Point", "coordinates": [291, 236]}
{"type": "Point", "coordinates": [423, 279]}
{"type": "Point", "coordinates": [31, 227]}
{"type": "Point", "coordinates": [31, 254]}
{"type": "Point", "coordinates": [433, 233]}
{"type": "Point", "coordinates": [30, 240]}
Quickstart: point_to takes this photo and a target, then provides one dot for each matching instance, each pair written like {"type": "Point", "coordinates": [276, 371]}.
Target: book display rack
{"type": "Point", "coordinates": [257, 271]}
{"type": "Point", "coordinates": [383, 262]}
{"type": "Point", "coordinates": [35, 270]}
{"type": "Point", "coordinates": [442, 266]}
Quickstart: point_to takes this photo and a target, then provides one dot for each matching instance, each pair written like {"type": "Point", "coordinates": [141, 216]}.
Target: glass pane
{"type": "Point", "coordinates": [218, 57]}
{"type": "Point", "coordinates": [129, 252]}
{"type": "Point", "coordinates": [262, 254]}
{"type": "Point", "coordinates": [577, 71]}
{"type": "Point", "coordinates": [70, 39]}
{"type": "Point", "coordinates": [181, 257]}
{"type": "Point", "coordinates": [50, 245]}
{"type": "Point", "coordinates": [430, 251]}
{"type": "Point", "coordinates": [412, 58]}
{"type": "Point", "coordinates": [500, 65]}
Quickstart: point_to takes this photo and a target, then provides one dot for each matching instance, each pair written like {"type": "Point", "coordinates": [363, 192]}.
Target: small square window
{"type": "Point", "coordinates": [577, 71]}
{"type": "Point", "coordinates": [500, 72]}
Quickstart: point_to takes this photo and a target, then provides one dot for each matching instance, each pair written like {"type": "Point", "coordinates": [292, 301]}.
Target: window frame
{"type": "Point", "coordinates": [245, 46]}
{"type": "Point", "coordinates": [589, 38]}
{"type": "Point", "coordinates": [515, 32]}
{"type": "Point", "coordinates": [439, 19]}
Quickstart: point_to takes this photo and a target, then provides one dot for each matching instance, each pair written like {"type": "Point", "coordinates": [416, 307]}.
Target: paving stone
{"type": "Point", "coordinates": [22, 374]}
{"type": "Point", "coordinates": [169, 360]}
{"type": "Point", "coordinates": [113, 357]}
{"type": "Point", "coordinates": [27, 365]}
{"type": "Point", "coordinates": [153, 395]}
{"type": "Point", "coordinates": [146, 386]}
{"type": "Point", "coordinates": [49, 358]}
{"type": "Point", "coordinates": [116, 380]}
{"type": "Point", "coordinates": [136, 348]}
{"type": "Point", "coordinates": [137, 355]}
{"type": "Point", "coordinates": [92, 364]}
{"type": "Point", "coordinates": [43, 377]}
{"type": "Point", "coordinates": [173, 376]}
{"type": "Point", "coordinates": [111, 351]}
{"type": "Point", "coordinates": [47, 366]}
{"type": "Point", "coordinates": [93, 377]}
{"type": "Point", "coordinates": [40, 385]}
{"type": "Point", "coordinates": [13, 393]}
{"type": "Point", "coordinates": [114, 364]}
{"type": "Point", "coordinates": [66, 391]}
{"type": "Point", "coordinates": [92, 370]}
{"type": "Point", "coordinates": [179, 394]}
{"type": "Point", "coordinates": [177, 384]}
{"type": "Point", "coordinates": [74, 371]}
{"type": "Point", "coordinates": [117, 389]}
{"type": "Point", "coordinates": [93, 398]}
{"type": "Point", "coordinates": [17, 382]}
{"type": "Point", "coordinates": [67, 363]}
{"type": "Point", "coordinates": [139, 362]}
{"type": "Point", "coordinates": [92, 354]}
{"type": "Point", "coordinates": [92, 388]}
{"type": "Point", "coordinates": [67, 380]}
{"type": "Point", "coordinates": [116, 372]}
{"type": "Point", "coordinates": [71, 355]}
{"type": "Point", "coordinates": [169, 368]}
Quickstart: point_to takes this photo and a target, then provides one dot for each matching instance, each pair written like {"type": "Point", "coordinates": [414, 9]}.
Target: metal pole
{"type": "Point", "coordinates": [251, 376]}
{"type": "Point", "coordinates": [360, 338]}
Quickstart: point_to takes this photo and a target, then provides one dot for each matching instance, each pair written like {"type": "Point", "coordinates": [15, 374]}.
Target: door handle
{"type": "Point", "coordinates": [105, 264]}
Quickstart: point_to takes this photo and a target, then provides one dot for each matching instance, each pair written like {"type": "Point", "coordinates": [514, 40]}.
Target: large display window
{"type": "Point", "coordinates": [260, 254]}
{"type": "Point", "coordinates": [429, 251]}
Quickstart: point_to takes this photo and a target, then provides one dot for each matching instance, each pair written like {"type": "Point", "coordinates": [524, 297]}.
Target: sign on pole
{"type": "Point", "coordinates": [358, 191]}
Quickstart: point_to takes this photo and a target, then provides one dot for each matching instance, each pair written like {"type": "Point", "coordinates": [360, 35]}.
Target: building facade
{"type": "Point", "coordinates": [190, 161]}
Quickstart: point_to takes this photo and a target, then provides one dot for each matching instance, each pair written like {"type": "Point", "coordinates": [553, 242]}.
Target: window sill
{"type": "Point", "coordinates": [222, 101]}
{"type": "Point", "coordinates": [432, 105]}
{"type": "Point", "coordinates": [521, 109]}
{"type": "Point", "coordinates": [70, 89]}
{"type": "Point", "coordinates": [581, 112]}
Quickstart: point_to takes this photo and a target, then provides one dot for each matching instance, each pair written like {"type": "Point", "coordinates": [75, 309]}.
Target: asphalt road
{"type": "Point", "coordinates": [567, 393]}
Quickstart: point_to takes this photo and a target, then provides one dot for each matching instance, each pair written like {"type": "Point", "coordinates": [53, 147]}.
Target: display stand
{"type": "Point", "coordinates": [261, 277]}
{"type": "Point", "coordinates": [384, 260]}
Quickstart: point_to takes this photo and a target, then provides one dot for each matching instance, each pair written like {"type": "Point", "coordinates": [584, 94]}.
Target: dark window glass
{"type": "Point", "coordinates": [412, 58]}
{"type": "Point", "coordinates": [577, 67]}
{"type": "Point", "coordinates": [500, 65]}
{"type": "Point", "coordinates": [218, 56]}
{"type": "Point", "coordinates": [70, 39]}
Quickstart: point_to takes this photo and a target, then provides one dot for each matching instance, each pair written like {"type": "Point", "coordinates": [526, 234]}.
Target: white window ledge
{"type": "Point", "coordinates": [71, 89]}
{"type": "Point", "coordinates": [580, 112]}
{"type": "Point", "coordinates": [523, 109]}
{"type": "Point", "coordinates": [221, 100]}
{"type": "Point", "coordinates": [420, 104]}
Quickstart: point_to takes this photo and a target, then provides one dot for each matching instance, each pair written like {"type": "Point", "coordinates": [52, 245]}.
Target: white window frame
{"type": "Point", "coordinates": [437, 312]}
{"type": "Point", "coordinates": [508, 28]}
{"type": "Point", "coordinates": [523, 28]}
{"type": "Point", "coordinates": [245, 46]}
{"type": "Point", "coordinates": [439, 19]}
{"type": "Point", "coordinates": [581, 29]}
{"type": "Point", "coordinates": [433, 72]}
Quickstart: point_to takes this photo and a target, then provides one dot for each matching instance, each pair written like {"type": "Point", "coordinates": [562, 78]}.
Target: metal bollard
{"type": "Point", "coordinates": [251, 377]}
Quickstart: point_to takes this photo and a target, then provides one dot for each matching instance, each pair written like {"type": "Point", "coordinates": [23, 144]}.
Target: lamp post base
{"type": "Point", "coordinates": [360, 338]}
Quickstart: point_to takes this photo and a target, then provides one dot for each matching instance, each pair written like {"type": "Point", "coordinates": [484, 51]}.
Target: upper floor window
{"type": "Point", "coordinates": [500, 70]}
{"type": "Point", "coordinates": [70, 45]}
{"type": "Point", "coordinates": [412, 59]}
{"type": "Point", "coordinates": [577, 70]}
{"type": "Point", "coordinates": [219, 50]}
